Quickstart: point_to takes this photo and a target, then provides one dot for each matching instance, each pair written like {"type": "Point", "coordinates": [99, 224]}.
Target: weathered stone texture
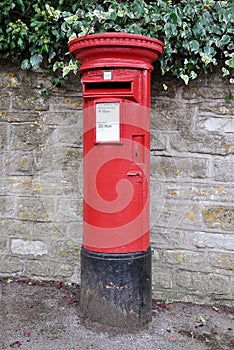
{"type": "Point", "coordinates": [224, 169]}
{"type": "Point", "coordinates": [19, 163]}
{"type": "Point", "coordinates": [26, 247]}
{"type": "Point", "coordinates": [192, 146]}
{"type": "Point", "coordinates": [220, 217]}
{"type": "Point", "coordinates": [218, 125]}
{"type": "Point", "coordinates": [25, 137]}
{"type": "Point", "coordinates": [3, 135]}
{"type": "Point", "coordinates": [46, 269]}
{"type": "Point", "coordinates": [176, 167]}
{"type": "Point", "coordinates": [213, 144]}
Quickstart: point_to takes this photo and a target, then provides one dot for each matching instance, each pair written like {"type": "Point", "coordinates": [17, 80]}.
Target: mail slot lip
{"type": "Point", "coordinates": [127, 87]}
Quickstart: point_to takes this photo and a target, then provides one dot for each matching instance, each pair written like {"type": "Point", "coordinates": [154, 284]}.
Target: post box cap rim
{"type": "Point", "coordinates": [120, 38]}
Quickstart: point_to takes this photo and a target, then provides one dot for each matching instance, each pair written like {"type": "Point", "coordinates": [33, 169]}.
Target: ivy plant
{"type": "Point", "coordinates": [198, 34]}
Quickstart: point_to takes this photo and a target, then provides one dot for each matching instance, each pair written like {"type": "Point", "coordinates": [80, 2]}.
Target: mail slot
{"type": "Point", "coordinates": [116, 254]}
{"type": "Point", "coordinates": [108, 87]}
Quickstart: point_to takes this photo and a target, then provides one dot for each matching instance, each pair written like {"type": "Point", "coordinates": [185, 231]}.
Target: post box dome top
{"type": "Point", "coordinates": [115, 50]}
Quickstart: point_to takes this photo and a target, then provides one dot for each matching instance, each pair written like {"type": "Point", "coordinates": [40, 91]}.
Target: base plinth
{"type": "Point", "coordinates": [116, 288]}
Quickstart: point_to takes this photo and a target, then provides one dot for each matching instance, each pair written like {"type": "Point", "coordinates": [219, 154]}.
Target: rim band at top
{"type": "Point", "coordinates": [115, 50]}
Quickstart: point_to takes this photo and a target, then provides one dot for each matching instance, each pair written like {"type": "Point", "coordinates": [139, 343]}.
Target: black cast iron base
{"type": "Point", "coordinates": [116, 288]}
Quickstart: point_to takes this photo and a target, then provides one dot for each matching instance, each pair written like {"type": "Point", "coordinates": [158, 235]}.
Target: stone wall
{"type": "Point", "coordinates": [192, 173]}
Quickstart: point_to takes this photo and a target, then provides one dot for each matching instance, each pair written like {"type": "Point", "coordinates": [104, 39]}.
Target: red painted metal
{"type": "Point", "coordinates": [116, 69]}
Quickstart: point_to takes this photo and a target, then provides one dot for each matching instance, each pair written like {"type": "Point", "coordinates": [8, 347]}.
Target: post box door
{"type": "Point", "coordinates": [116, 176]}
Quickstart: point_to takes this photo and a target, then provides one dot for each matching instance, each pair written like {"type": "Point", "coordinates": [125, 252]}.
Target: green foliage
{"type": "Point", "coordinates": [197, 33]}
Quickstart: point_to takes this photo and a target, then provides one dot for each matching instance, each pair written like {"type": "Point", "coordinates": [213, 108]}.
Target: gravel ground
{"type": "Point", "coordinates": [45, 316]}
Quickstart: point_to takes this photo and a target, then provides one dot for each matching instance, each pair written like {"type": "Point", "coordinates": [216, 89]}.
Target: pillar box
{"type": "Point", "coordinates": [116, 253]}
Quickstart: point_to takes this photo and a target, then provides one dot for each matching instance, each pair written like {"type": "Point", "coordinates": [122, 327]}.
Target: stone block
{"type": "Point", "coordinates": [5, 100]}
{"type": "Point", "coordinates": [210, 240]}
{"type": "Point", "coordinates": [3, 243]}
{"type": "Point", "coordinates": [72, 180]}
{"type": "Point", "coordinates": [185, 259]}
{"type": "Point", "coordinates": [19, 163]}
{"type": "Point", "coordinates": [75, 232]}
{"type": "Point", "coordinates": [63, 118]}
{"type": "Point", "coordinates": [34, 209]}
{"type": "Point", "coordinates": [50, 184]}
{"type": "Point", "coordinates": [157, 200]}
{"type": "Point", "coordinates": [198, 192]}
{"type": "Point", "coordinates": [162, 279]}
{"type": "Point", "coordinates": [158, 140]}
{"type": "Point", "coordinates": [201, 93]}
{"type": "Point", "coordinates": [220, 217]}
{"type": "Point", "coordinates": [217, 107]}
{"type": "Point", "coordinates": [28, 247]}
{"type": "Point", "coordinates": [168, 115]}
{"type": "Point", "coordinates": [224, 261]}
{"type": "Point", "coordinates": [67, 250]}
{"type": "Point", "coordinates": [51, 232]}
{"type": "Point", "coordinates": [217, 125]}
{"type": "Point", "coordinates": [64, 103]}
{"type": "Point", "coordinates": [17, 185]}
{"type": "Point", "coordinates": [167, 239]}
{"type": "Point", "coordinates": [213, 144]}
{"type": "Point", "coordinates": [184, 279]}
{"type": "Point", "coordinates": [52, 159]}
{"type": "Point", "coordinates": [29, 101]}
{"type": "Point", "coordinates": [73, 159]}
{"type": "Point", "coordinates": [70, 209]}
{"type": "Point", "coordinates": [11, 265]}
{"type": "Point", "coordinates": [7, 206]}
{"type": "Point", "coordinates": [201, 283]}
{"type": "Point", "coordinates": [224, 169]}
{"type": "Point", "coordinates": [48, 269]}
{"type": "Point", "coordinates": [178, 215]}
{"type": "Point", "coordinates": [220, 284]}
{"type": "Point", "coordinates": [16, 228]}
{"type": "Point", "coordinates": [163, 167]}
{"type": "Point", "coordinates": [211, 284]}
{"type": "Point", "coordinates": [69, 136]}
{"type": "Point", "coordinates": [21, 116]}
{"type": "Point", "coordinates": [8, 80]}
{"type": "Point", "coordinates": [3, 135]}
{"type": "Point", "coordinates": [25, 137]}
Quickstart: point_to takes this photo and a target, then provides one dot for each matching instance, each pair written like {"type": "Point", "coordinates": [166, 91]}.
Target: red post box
{"type": "Point", "coordinates": [116, 254]}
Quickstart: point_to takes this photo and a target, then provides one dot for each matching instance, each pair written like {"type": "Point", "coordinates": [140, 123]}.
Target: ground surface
{"type": "Point", "coordinates": [46, 316]}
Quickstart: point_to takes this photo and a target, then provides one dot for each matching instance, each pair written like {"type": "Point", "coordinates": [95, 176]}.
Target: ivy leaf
{"type": "Point", "coordinates": [66, 71]}
{"type": "Point", "coordinates": [71, 19]}
{"type": "Point", "coordinates": [25, 64]}
{"type": "Point", "coordinates": [50, 10]}
{"type": "Point", "coordinates": [193, 75]}
{"type": "Point", "coordinates": [170, 29]}
{"type": "Point", "coordinates": [200, 319]}
{"type": "Point", "coordinates": [230, 63]}
{"type": "Point", "coordinates": [36, 60]}
{"type": "Point", "coordinates": [225, 40]}
{"type": "Point", "coordinates": [57, 65]}
{"type": "Point", "coordinates": [51, 56]}
{"type": "Point", "coordinates": [20, 43]}
{"type": "Point", "coordinates": [185, 78]}
{"type": "Point", "coordinates": [225, 72]}
{"type": "Point", "coordinates": [194, 44]}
